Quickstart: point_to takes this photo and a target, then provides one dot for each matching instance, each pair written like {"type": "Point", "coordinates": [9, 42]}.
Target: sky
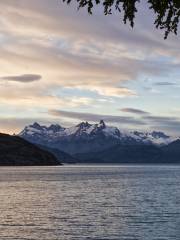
{"type": "Point", "coordinates": [60, 65]}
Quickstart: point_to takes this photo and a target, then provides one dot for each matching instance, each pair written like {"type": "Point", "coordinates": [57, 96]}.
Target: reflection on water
{"type": "Point", "coordinates": [49, 203]}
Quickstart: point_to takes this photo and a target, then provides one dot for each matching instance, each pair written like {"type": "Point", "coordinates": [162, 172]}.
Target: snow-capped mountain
{"type": "Point", "coordinates": [152, 137]}
{"type": "Point", "coordinates": [86, 137]}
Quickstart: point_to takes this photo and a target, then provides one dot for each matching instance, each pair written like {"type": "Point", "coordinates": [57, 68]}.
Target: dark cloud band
{"type": "Point", "coordinates": [165, 83]}
{"type": "Point", "coordinates": [96, 117]}
{"type": "Point", "coordinates": [25, 78]}
{"type": "Point", "coordinates": [134, 111]}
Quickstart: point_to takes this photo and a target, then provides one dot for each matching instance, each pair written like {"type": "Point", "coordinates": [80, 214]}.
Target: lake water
{"type": "Point", "coordinates": [90, 202]}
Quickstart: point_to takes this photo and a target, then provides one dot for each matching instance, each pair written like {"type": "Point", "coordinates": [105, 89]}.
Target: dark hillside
{"type": "Point", "coordinates": [15, 151]}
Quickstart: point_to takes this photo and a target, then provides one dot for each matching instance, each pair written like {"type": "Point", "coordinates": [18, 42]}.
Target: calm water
{"type": "Point", "coordinates": [49, 203]}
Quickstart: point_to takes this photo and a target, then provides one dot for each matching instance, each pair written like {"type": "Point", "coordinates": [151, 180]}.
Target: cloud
{"type": "Point", "coordinates": [164, 123]}
{"type": "Point", "coordinates": [134, 110]}
{"type": "Point", "coordinates": [78, 44]}
{"type": "Point", "coordinates": [96, 117]}
{"type": "Point", "coordinates": [162, 120]}
{"type": "Point", "coordinates": [14, 125]}
{"type": "Point", "coordinates": [25, 78]}
{"type": "Point", "coordinates": [67, 48]}
{"type": "Point", "coordinates": [36, 98]}
{"type": "Point", "coordinates": [165, 84]}
{"type": "Point", "coordinates": [109, 91]}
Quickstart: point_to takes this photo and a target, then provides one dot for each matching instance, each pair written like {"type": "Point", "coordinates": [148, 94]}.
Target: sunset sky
{"type": "Point", "coordinates": [60, 65]}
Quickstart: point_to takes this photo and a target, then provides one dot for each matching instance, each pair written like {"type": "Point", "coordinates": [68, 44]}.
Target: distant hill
{"type": "Point", "coordinates": [15, 151]}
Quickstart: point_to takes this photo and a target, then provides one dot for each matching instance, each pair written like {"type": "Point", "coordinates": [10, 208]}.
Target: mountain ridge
{"type": "Point", "coordinates": [85, 137]}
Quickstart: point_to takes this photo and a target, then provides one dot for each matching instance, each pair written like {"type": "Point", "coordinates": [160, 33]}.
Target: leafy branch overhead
{"type": "Point", "coordinates": [167, 12]}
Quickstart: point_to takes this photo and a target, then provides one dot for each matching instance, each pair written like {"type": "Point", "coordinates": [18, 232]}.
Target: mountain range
{"type": "Point", "coordinates": [91, 143]}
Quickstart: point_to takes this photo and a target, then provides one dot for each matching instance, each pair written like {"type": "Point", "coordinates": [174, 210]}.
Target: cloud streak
{"type": "Point", "coordinates": [134, 111]}
{"type": "Point", "coordinates": [144, 121]}
{"type": "Point", "coordinates": [165, 84]}
{"type": "Point", "coordinates": [96, 117]}
{"type": "Point", "coordinates": [25, 78]}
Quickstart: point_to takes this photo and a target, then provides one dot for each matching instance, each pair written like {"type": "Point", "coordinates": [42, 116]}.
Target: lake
{"type": "Point", "coordinates": [90, 202]}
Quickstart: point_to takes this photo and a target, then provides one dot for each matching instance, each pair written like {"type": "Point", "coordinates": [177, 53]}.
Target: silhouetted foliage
{"type": "Point", "coordinates": [167, 12]}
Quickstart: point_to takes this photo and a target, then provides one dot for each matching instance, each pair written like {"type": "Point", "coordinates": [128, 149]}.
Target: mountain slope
{"type": "Point", "coordinates": [135, 154]}
{"type": "Point", "coordinates": [124, 154]}
{"type": "Point", "coordinates": [15, 151]}
{"type": "Point", "coordinates": [171, 152]}
{"type": "Point", "coordinates": [60, 155]}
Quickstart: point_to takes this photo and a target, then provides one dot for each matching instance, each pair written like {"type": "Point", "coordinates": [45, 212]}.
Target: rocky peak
{"type": "Point", "coordinates": [36, 126]}
{"type": "Point", "coordinates": [55, 128]}
{"type": "Point", "coordinates": [159, 135]}
{"type": "Point", "coordinates": [101, 124]}
{"type": "Point", "coordinates": [83, 125]}
{"type": "Point", "coordinates": [137, 133]}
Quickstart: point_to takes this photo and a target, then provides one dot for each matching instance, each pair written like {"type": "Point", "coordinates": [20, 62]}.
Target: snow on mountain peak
{"type": "Point", "coordinates": [156, 134]}
{"type": "Point", "coordinates": [86, 131]}
{"type": "Point", "coordinates": [152, 137]}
